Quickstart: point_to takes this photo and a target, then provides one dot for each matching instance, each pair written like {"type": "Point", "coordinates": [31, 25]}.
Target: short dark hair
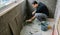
{"type": "Point", "coordinates": [35, 2]}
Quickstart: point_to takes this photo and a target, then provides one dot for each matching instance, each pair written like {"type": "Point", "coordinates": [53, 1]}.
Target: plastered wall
{"type": "Point", "coordinates": [11, 23]}
{"type": "Point", "coordinates": [51, 4]}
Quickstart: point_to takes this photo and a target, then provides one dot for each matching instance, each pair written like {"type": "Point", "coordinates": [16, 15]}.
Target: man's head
{"type": "Point", "coordinates": [35, 4]}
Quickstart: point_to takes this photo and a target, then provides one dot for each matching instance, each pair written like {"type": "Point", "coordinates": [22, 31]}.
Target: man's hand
{"type": "Point", "coordinates": [33, 12]}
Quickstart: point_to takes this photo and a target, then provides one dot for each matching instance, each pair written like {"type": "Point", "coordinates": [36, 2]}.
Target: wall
{"type": "Point", "coordinates": [11, 23]}
{"type": "Point", "coordinates": [57, 15]}
{"type": "Point", "coordinates": [49, 3]}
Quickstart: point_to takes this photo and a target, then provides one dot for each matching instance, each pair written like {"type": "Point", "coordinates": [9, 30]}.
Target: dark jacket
{"type": "Point", "coordinates": [42, 9]}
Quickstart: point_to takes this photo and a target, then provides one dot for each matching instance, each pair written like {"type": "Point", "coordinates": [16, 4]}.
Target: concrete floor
{"type": "Point", "coordinates": [35, 29]}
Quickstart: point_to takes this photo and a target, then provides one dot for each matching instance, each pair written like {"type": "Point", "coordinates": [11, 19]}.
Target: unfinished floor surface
{"type": "Point", "coordinates": [34, 28]}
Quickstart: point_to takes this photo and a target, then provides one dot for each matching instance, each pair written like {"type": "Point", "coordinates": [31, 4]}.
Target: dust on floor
{"type": "Point", "coordinates": [34, 28]}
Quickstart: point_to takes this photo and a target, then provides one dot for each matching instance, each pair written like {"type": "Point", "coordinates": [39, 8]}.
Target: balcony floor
{"type": "Point", "coordinates": [35, 29]}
